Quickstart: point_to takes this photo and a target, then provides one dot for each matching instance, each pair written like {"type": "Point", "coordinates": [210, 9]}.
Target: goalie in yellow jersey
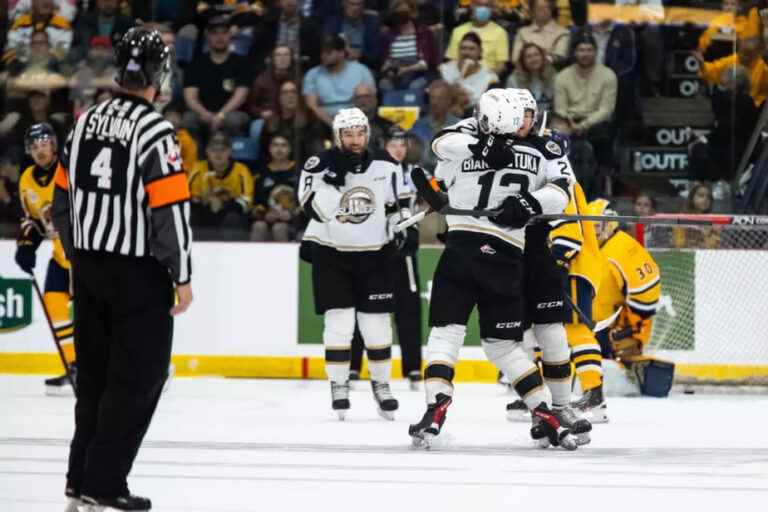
{"type": "Point", "coordinates": [630, 285]}
{"type": "Point", "coordinates": [36, 186]}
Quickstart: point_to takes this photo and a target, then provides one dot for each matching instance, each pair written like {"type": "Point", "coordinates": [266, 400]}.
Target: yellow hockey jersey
{"type": "Point", "coordinates": [36, 195]}
{"type": "Point", "coordinates": [631, 278]}
{"type": "Point", "coordinates": [236, 184]}
{"type": "Point", "coordinates": [577, 241]}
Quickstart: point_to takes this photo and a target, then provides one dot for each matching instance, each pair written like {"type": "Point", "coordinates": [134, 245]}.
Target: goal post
{"type": "Point", "coordinates": [712, 320]}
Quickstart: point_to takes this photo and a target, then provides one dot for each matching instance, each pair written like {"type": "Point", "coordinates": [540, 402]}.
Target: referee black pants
{"type": "Point", "coordinates": [123, 333]}
{"type": "Point", "coordinates": [407, 319]}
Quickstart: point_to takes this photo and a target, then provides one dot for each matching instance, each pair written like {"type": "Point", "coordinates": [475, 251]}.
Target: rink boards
{"type": "Point", "coordinates": [253, 317]}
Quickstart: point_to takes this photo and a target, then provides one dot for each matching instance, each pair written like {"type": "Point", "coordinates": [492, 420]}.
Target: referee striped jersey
{"type": "Point", "coordinates": [121, 188]}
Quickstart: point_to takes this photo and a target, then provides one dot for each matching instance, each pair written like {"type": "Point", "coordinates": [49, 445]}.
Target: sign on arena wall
{"type": "Point", "coordinates": [15, 304]}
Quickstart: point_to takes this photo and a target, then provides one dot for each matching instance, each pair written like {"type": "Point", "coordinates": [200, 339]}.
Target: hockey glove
{"type": "Point", "coordinates": [562, 254]}
{"type": "Point", "coordinates": [517, 210]}
{"type": "Point", "coordinates": [623, 344]}
{"type": "Point", "coordinates": [25, 257]}
{"type": "Point", "coordinates": [431, 194]}
{"type": "Point", "coordinates": [341, 164]}
{"type": "Point", "coordinates": [407, 242]}
{"type": "Point", "coordinates": [496, 151]}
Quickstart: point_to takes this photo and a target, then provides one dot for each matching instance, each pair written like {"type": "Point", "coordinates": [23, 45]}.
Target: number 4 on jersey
{"type": "Point", "coordinates": [102, 168]}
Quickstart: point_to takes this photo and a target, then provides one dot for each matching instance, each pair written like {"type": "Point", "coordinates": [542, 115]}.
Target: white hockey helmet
{"type": "Point", "coordinates": [348, 118]}
{"type": "Point", "coordinates": [499, 112]}
{"type": "Point", "coordinates": [526, 98]}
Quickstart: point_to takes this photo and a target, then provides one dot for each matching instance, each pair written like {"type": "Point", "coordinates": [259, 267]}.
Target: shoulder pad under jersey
{"type": "Point", "coordinates": [317, 163]}
{"type": "Point", "coordinates": [383, 155]}
{"type": "Point", "coordinates": [551, 147]}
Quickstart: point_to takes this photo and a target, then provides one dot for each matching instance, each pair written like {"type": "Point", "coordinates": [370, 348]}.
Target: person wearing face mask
{"type": "Point", "coordinates": [495, 40]}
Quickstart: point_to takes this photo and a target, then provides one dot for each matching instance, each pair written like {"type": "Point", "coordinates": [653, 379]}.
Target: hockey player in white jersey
{"type": "Point", "coordinates": [348, 194]}
{"type": "Point", "coordinates": [485, 166]}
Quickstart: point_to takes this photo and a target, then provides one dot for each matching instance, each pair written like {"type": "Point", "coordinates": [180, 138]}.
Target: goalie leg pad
{"type": "Point", "coordinates": [509, 357]}
{"type": "Point", "coordinates": [442, 353]}
{"type": "Point", "coordinates": [556, 361]}
{"type": "Point", "coordinates": [654, 375]}
{"type": "Point", "coordinates": [586, 355]}
{"type": "Point", "coordinates": [377, 335]}
{"type": "Point", "coordinates": [338, 329]}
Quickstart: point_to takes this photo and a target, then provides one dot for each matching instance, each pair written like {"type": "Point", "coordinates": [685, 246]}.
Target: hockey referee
{"type": "Point", "coordinates": [121, 208]}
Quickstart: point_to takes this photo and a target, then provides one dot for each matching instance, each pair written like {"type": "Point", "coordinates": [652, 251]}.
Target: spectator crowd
{"type": "Point", "coordinates": [257, 83]}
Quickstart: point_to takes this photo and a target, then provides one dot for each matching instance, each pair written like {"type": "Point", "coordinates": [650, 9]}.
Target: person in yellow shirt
{"type": "Point", "coordinates": [494, 38]}
{"type": "Point", "coordinates": [748, 54]}
{"type": "Point", "coordinates": [173, 114]}
{"type": "Point", "coordinates": [737, 21]}
{"type": "Point", "coordinates": [36, 186]}
{"type": "Point", "coordinates": [222, 193]}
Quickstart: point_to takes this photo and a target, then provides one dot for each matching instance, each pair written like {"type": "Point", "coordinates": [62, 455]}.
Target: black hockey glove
{"type": "Point", "coordinates": [494, 150]}
{"type": "Point", "coordinates": [25, 257]}
{"type": "Point", "coordinates": [517, 210]}
{"type": "Point", "coordinates": [341, 164]}
{"type": "Point", "coordinates": [407, 242]}
{"type": "Point", "coordinates": [436, 199]}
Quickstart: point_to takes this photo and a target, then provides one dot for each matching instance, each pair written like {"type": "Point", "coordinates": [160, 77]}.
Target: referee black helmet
{"type": "Point", "coordinates": [143, 59]}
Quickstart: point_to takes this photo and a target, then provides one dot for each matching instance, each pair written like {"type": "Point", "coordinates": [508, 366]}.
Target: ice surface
{"type": "Point", "coordinates": [220, 445]}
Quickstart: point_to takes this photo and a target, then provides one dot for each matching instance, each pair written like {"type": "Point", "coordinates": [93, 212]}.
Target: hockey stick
{"type": "Point", "coordinates": [593, 326]}
{"type": "Point", "coordinates": [408, 258]}
{"type": "Point", "coordinates": [53, 331]}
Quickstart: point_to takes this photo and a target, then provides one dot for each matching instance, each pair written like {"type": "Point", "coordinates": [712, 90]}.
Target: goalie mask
{"type": "Point", "coordinates": [499, 113]}
{"type": "Point", "coordinates": [605, 229]}
{"type": "Point", "coordinates": [349, 118]}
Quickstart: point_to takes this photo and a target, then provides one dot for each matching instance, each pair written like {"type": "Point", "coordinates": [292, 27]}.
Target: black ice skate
{"type": "Point", "coordinates": [60, 386]}
{"type": "Point", "coordinates": [424, 432]}
{"type": "Point", "coordinates": [518, 411]}
{"type": "Point", "coordinates": [131, 503]}
{"type": "Point", "coordinates": [414, 380]}
{"type": "Point", "coordinates": [579, 427]}
{"type": "Point", "coordinates": [592, 403]}
{"type": "Point", "coordinates": [340, 398]}
{"type": "Point", "coordinates": [546, 429]}
{"type": "Point", "coordinates": [384, 399]}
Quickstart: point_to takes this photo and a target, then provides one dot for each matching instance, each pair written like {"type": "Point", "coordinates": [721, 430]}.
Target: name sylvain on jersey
{"type": "Point", "coordinates": [520, 162]}
{"type": "Point", "coordinates": [112, 126]}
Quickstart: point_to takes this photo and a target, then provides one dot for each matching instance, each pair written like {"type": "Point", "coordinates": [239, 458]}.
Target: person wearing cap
{"type": "Point", "coordinates": [330, 86]}
{"type": "Point", "coordinates": [104, 21]}
{"type": "Point", "coordinates": [94, 73]}
{"type": "Point", "coordinates": [216, 84]}
{"type": "Point", "coordinates": [221, 191]}
{"type": "Point", "coordinates": [585, 95]}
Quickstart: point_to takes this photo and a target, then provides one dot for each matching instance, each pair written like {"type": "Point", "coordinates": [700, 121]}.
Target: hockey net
{"type": "Point", "coordinates": [712, 320]}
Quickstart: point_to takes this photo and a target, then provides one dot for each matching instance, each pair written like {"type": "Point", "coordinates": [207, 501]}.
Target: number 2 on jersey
{"type": "Point", "coordinates": [101, 167]}
{"type": "Point", "coordinates": [486, 185]}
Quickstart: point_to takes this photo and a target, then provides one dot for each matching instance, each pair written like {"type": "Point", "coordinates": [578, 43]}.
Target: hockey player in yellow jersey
{"type": "Point", "coordinates": [36, 186]}
{"type": "Point", "coordinates": [631, 281]}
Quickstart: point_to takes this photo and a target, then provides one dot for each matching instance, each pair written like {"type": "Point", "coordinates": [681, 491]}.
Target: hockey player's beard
{"type": "Point", "coordinates": [354, 160]}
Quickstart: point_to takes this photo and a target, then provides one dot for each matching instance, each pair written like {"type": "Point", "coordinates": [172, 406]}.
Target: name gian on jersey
{"type": "Point", "coordinates": [111, 127]}
{"type": "Point", "coordinates": [520, 162]}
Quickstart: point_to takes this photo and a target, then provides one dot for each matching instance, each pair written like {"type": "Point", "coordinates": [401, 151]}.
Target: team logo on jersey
{"type": "Point", "coordinates": [356, 205]}
{"type": "Point", "coordinates": [15, 304]}
{"type": "Point", "coordinates": [554, 148]}
{"type": "Point", "coordinates": [487, 249]}
{"type": "Point", "coordinates": [313, 162]}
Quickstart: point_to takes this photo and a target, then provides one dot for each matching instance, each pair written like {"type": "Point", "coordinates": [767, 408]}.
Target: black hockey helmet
{"type": "Point", "coordinates": [142, 59]}
{"type": "Point", "coordinates": [40, 131]}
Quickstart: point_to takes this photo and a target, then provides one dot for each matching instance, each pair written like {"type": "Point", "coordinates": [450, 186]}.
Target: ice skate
{"type": "Point", "coordinates": [547, 431]}
{"type": "Point", "coordinates": [592, 404]}
{"type": "Point", "coordinates": [340, 398]}
{"type": "Point", "coordinates": [73, 500]}
{"type": "Point", "coordinates": [579, 427]}
{"type": "Point", "coordinates": [518, 411]}
{"type": "Point", "coordinates": [60, 386]}
{"type": "Point", "coordinates": [425, 431]}
{"type": "Point", "coordinates": [414, 380]}
{"type": "Point", "coordinates": [387, 405]}
{"type": "Point", "coordinates": [128, 503]}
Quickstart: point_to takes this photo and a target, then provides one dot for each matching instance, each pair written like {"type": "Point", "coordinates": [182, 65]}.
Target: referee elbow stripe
{"type": "Point", "coordinates": [169, 189]}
